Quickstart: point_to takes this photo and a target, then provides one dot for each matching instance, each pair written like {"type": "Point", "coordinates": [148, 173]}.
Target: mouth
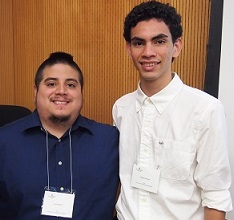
{"type": "Point", "coordinates": [57, 102]}
{"type": "Point", "coordinates": [149, 65]}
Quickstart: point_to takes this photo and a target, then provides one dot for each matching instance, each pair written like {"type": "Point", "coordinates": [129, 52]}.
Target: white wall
{"type": "Point", "coordinates": [226, 81]}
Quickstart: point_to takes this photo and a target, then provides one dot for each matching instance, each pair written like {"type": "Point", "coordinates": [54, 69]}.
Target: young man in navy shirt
{"type": "Point", "coordinates": [56, 163]}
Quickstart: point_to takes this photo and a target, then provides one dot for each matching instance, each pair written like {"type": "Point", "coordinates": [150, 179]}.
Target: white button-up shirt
{"type": "Point", "coordinates": [182, 132]}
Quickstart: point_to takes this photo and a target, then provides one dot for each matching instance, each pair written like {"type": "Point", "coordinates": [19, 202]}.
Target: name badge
{"type": "Point", "coordinates": [145, 178]}
{"type": "Point", "coordinates": [58, 204]}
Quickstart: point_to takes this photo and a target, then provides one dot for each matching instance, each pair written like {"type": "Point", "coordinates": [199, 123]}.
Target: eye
{"type": "Point", "coordinates": [51, 84]}
{"type": "Point", "coordinates": [71, 85]}
{"type": "Point", "coordinates": [160, 41]}
{"type": "Point", "coordinates": [137, 43]}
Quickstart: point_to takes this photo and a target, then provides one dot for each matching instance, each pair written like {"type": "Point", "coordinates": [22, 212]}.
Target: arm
{"type": "Point", "coordinates": [213, 173]}
{"type": "Point", "coordinates": [213, 214]}
{"type": "Point", "coordinates": [117, 196]}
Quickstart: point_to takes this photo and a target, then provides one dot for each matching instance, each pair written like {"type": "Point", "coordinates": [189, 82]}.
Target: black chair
{"type": "Point", "coordinates": [10, 113]}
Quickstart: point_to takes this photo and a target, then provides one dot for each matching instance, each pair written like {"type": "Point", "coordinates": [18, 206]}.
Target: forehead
{"type": "Point", "coordinates": [60, 71]}
{"type": "Point", "coordinates": [150, 28]}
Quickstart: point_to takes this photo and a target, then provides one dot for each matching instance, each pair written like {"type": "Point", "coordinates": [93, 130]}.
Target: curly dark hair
{"type": "Point", "coordinates": [55, 58]}
{"type": "Point", "coordinates": [153, 9]}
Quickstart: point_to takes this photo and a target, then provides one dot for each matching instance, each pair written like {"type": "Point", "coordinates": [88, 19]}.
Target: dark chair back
{"type": "Point", "coordinates": [10, 113]}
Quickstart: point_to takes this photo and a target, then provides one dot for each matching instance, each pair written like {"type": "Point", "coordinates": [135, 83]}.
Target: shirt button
{"type": "Point", "coordinates": [60, 163]}
{"type": "Point", "coordinates": [59, 140]}
{"type": "Point", "coordinates": [61, 188]}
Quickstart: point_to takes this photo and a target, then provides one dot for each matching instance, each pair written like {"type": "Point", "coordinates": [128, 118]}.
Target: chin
{"type": "Point", "coordinates": [56, 119]}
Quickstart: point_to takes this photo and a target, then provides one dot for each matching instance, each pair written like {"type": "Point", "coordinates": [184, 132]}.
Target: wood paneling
{"type": "Point", "coordinates": [92, 32]}
{"type": "Point", "coordinates": [7, 83]}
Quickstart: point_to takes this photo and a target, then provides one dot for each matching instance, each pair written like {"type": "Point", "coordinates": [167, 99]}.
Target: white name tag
{"type": "Point", "coordinates": [145, 178]}
{"type": "Point", "coordinates": [58, 204]}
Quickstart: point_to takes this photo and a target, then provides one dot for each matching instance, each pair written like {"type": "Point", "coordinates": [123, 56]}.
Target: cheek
{"type": "Point", "coordinates": [42, 98]}
{"type": "Point", "coordinates": [78, 96]}
{"type": "Point", "coordinates": [45, 93]}
{"type": "Point", "coordinates": [78, 103]}
{"type": "Point", "coordinates": [134, 54]}
{"type": "Point", "coordinates": [167, 54]}
{"type": "Point", "coordinates": [135, 59]}
{"type": "Point", "coordinates": [39, 100]}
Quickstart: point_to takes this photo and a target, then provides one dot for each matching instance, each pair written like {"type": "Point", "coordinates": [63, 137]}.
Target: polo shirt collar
{"type": "Point", "coordinates": [163, 97]}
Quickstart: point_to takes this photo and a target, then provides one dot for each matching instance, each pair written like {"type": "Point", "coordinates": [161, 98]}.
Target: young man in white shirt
{"type": "Point", "coordinates": [173, 145]}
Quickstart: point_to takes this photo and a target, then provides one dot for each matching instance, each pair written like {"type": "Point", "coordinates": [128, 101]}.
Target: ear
{"type": "Point", "coordinates": [128, 48]}
{"type": "Point", "coordinates": [177, 47]}
{"type": "Point", "coordinates": [35, 92]}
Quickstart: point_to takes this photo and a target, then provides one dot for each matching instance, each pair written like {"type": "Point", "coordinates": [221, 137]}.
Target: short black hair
{"type": "Point", "coordinates": [153, 9]}
{"type": "Point", "coordinates": [55, 58]}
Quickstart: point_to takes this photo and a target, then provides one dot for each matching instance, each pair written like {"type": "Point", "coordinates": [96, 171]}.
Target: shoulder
{"type": "Point", "coordinates": [126, 99]}
{"type": "Point", "coordinates": [198, 95]}
{"type": "Point", "coordinates": [200, 100]}
{"type": "Point", "coordinates": [15, 126]}
{"type": "Point", "coordinates": [100, 128]}
{"type": "Point", "coordinates": [19, 127]}
{"type": "Point", "coordinates": [101, 135]}
{"type": "Point", "coordinates": [12, 133]}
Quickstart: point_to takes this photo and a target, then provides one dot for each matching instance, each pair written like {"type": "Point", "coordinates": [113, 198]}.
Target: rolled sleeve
{"type": "Point", "coordinates": [213, 174]}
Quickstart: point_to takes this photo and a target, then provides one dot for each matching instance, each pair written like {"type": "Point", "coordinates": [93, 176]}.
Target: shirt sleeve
{"type": "Point", "coordinates": [213, 174]}
{"type": "Point", "coordinates": [114, 112]}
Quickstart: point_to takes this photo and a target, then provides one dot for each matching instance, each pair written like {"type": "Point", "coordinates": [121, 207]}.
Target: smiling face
{"type": "Point", "coordinates": [152, 50]}
{"type": "Point", "coordinates": [58, 97]}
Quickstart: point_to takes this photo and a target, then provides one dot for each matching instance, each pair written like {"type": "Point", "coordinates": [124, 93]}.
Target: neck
{"type": "Point", "coordinates": [56, 129]}
{"type": "Point", "coordinates": [150, 88]}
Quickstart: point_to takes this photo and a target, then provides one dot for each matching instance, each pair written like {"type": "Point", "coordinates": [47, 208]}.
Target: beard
{"type": "Point", "coordinates": [59, 119]}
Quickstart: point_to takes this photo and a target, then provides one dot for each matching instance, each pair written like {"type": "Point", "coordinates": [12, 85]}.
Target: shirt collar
{"type": "Point", "coordinates": [32, 121]}
{"type": "Point", "coordinates": [163, 97]}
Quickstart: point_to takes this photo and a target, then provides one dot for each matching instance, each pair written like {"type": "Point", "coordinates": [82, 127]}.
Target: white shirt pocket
{"type": "Point", "coordinates": [174, 158]}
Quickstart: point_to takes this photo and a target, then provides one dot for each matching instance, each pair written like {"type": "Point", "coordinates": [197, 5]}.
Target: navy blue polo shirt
{"type": "Point", "coordinates": [23, 168]}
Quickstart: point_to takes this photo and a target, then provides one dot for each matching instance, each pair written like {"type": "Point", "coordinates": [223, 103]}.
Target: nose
{"type": "Point", "coordinates": [61, 89]}
{"type": "Point", "coordinates": [148, 50]}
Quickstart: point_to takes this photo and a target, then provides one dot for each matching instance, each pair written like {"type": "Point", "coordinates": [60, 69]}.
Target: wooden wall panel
{"type": "Point", "coordinates": [92, 32]}
{"type": "Point", "coordinates": [7, 88]}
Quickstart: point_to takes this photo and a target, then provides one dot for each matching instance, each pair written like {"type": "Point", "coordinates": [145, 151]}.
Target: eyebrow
{"type": "Point", "coordinates": [157, 37]}
{"type": "Point", "coordinates": [160, 36]}
{"type": "Point", "coordinates": [56, 79]}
